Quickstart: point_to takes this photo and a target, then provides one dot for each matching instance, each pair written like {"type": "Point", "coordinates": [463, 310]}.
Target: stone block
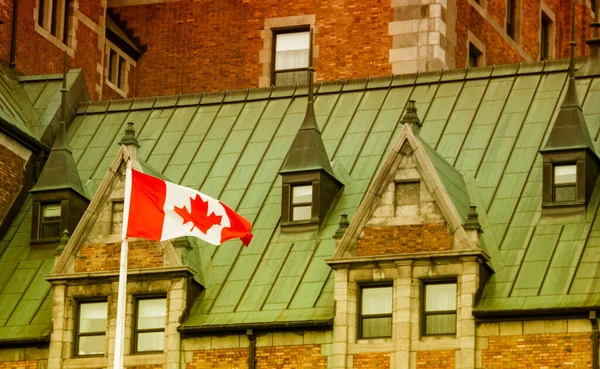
{"type": "Point", "coordinates": [488, 329]}
{"type": "Point", "coordinates": [511, 328]}
{"type": "Point", "coordinates": [219, 342]}
{"type": "Point", "coordinates": [579, 325]}
{"type": "Point", "coordinates": [544, 326]}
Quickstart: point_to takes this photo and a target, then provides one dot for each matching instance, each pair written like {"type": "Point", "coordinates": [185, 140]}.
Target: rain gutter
{"type": "Point", "coordinates": [327, 323]}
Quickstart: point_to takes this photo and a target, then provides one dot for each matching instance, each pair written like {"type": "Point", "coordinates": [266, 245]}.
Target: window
{"type": "Point", "coordinates": [565, 182]}
{"type": "Point", "coordinates": [511, 18]}
{"type": "Point", "coordinates": [91, 328]}
{"type": "Point", "coordinates": [117, 69]}
{"type": "Point", "coordinates": [50, 221]}
{"type": "Point", "coordinates": [117, 217]}
{"type": "Point", "coordinates": [150, 324]}
{"type": "Point", "coordinates": [302, 202]}
{"type": "Point", "coordinates": [474, 56]}
{"type": "Point", "coordinates": [546, 41]}
{"type": "Point", "coordinates": [290, 57]}
{"type": "Point", "coordinates": [53, 16]}
{"type": "Point", "coordinates": [439, 308]}
{"type": "Point", "coordinates": [376, 312]}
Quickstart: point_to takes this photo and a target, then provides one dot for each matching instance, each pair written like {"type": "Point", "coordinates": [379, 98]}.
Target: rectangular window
{"type": "Point", "coordinates": [376, 312]}
{"type": "Point", "coordinates": [50, 220]}
{"type": "Point", "coordinates": [67, 12]}
{"type": "Point", "coordinates": [439, 308]}
{"type": "Point", "coordinates": [474, 56]}
{"type": "Point", "coordinates": [41, 12]}
{"type": "Point", "coordinates": [302, 202]}
{"type": "Point", "coordinates": [511, 17]}
{"type": "Point", "coordinates": [290, 57]}
{"type": "Point", "coordinates": [117, 69]}
{"type": "Point", "coordinates": [53, 16]}
{"type": "Point", "coordinates": [117, 217]}
{"type": "Point", "coordinates": [91, 328]}
{"type": "Point", "coordinates": [565, 182]}
{"type": "Point", "coordinates": [150, 321]}
{"type": "Point", "coordinates": [545, 37]}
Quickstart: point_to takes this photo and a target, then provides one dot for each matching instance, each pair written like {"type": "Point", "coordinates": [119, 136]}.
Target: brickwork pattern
{"type": "Point", "coordinates": [106, 256]}
{"type": "Point", "coordinates": [12, 169]}
{"type": "Point", "coordinates": [6, 14]}
{"type": "Point", "coordinates": [290, 357]}
{"type": "Point", "coordinates": [375, 360]}
{"type": "Point", "coordinates": [539, 351]}
{"type": "Point", "coordinates": [214, 56]}
{"type": "Point", "coordinates": [234, 358]}
{"type": "Point", "coordinates": [382, 240]}
{"type": "Point", "coordinates": [22, 364]}
{"type": "Point", "coordinates": [435, 359]}
{"type": "Point", "coordinates": [145, 367]}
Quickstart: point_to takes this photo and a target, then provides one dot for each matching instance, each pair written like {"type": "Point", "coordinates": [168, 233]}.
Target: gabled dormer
{"type": "Point", "coordinates": [309, 185]}
{"type": "Point", "coordinates": [571, 164]}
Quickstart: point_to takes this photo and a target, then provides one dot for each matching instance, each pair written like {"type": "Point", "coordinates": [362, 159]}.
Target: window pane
{"type": "Point", "coordinates": [92, 317]}
{"type": "Point", "coordinates": [151, 313]}
{"type": "Point", "coordinates": [291, 50]}
{"type": "Point", "coordinates": [565, 174]}
{"type": "Point", "coordinates": [440, 324]}
{"type": "Point", "coordinates": [301, 194]}
{"type": "Point", "coordinates": [565, 193]}
{"type": "Point", "coordinates": [439, 297]}
{"type": "Point", "coordinates": [50, 230]}
{"type": "Point", "coordinates": [291, 78]}
{"type": "Point", "coordinates": [51, 211]}
{"type": "Point", "coordinates": [376, 300]}
{"type": "Point", "coordinates": [377, 327]}
{"type": "Point", "coordinates": [301, 212]}
{"type": "Point", "coordinates": [152, 341]}
{"type": "Point", "coordinates": [91, 345]}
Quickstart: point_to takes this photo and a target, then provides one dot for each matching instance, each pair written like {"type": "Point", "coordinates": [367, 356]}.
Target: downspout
{"type": "Point", "coordinates": [594, 322]}
{"type": "Point", "coordinates": [13, 40]}
{"type": "Point", "coordinates": [252, 349]}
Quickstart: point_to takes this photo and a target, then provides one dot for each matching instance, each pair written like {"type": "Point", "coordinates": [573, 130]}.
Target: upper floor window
{"type": "Point", "coordinates": [376, 312]}
{"type": "Point", "coordinates": [50, 220]}
{"type": "Point", "coordinates": [565, 182]}
{"type": "Point", "coordinates": [116, 69]}
{"type": "Point", "coordinates": [290, 57]}
{"type": "Point", "coordinates": [53, 16]}
{"type": "Point", "coordinates": [302, 202]}
{"type": "Point", "coordinates": [149, 334]}
{"type": "Point", "coordinates": [511, 18]}
{"type": "Point", "coordinates": [439, 308]}
{"type": "Point", "coordinates": [474, 56]}
{"type": "Point", "coordinates": [90, 335]}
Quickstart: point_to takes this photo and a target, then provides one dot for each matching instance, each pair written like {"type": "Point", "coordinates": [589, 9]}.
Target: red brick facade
{"type": "Point", "coordinates": [21, 364]}
{"type": "Point", "coordinates": [404, 239]}
{"type": "Point", "coordinates": [375, 360]}
{"type": "Point", "coordinates": [102, 257]}
{"type": "Point", "coordinates": [12, 169]}
{"type": "Point", "coordinates": [572, 350]}
{"type": "Point", "coordinates": [435, 359]}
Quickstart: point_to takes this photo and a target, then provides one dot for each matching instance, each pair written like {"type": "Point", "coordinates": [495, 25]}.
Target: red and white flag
{"type": "Point", "coordinates": [160, 210]}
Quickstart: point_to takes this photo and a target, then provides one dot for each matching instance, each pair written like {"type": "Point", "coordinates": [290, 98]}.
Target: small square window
{"type": "Point", "coordinates": [50, 220]}
{"type": "Point", "coordinates": [302, 202]}
{"type": "Point", "coordinates": [91, 328]}
{"type": "Point", "coordinates": [565, 183]}
{"type": "Point", "coordinates": [376, 312]}
{"type": "Point", "coordinates": [439, 308]}
{"type": "Point", "coordinates": [290, 57]}
{"type": "Point", "coordinates": [150, 321]}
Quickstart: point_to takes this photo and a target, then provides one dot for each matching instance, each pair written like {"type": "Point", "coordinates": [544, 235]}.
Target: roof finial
{"type": "Point", "coordinates": [342, 226]}
{"type": "Point", "coordinates": [129, 136]}
{"type": "Point", "coordinates": [411, 118]}
{"type": "Point", "coordinates": [571, 96]}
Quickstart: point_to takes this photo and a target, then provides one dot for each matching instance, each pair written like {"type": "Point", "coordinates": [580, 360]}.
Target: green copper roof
{"type": "Point", "coordinates": [483, 129]}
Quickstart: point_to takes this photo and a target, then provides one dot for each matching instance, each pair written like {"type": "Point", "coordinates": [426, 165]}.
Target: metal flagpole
{"type": "Point", "coordinates": [122, 294]}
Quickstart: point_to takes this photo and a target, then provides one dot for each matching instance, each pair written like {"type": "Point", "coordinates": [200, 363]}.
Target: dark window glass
{"type": "Point", "coordinates": [67, 12]}
{"type": "Point", "coordinates": [291, 58]}
{"type": "Point", "coordinates": [565, 182]}
{"type": "Point", "coordinates": [54, 18]}
{"type": "Point", "coordinates": [50, 220]}
{"type": "Point", "coordinates": [474, 56]}
{"type": "Point", "coordinates": [511, 14]}
{"type": "Point", "coordinates": [91, 328]}
{"type": "Point", "coordinates": [302, 202]}
{"type": "Point", "coordinates": [545, 38]}
{"type": "Point", "coordinates": [41, 12]}
{"type": "Point", "coordinates": [150, 324]}
{"type": "Point", "coordinates": [439, 308]}
{"type": "Point", "coordinates": [376, 312]}
{"type": "Point", "coordinates": [121, 72]}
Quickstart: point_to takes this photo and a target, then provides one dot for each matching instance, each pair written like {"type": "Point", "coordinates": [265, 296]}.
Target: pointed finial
{"type": "Point", "coordinates": [63, 242]}
{"type": "Point", "coordinates": [472, 219]}
{"type": "Point", "coordinates": [571, 96]}
{"type": "Point", "coordinates": [129, 137]}
{"type": "Point", "coordinates": [343, 225]}
{"type": "Point", "coordinates": [410, 117]}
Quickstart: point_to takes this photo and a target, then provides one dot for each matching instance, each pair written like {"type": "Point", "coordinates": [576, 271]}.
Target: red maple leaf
{"type": "Point", "coordinates": [199, 215]}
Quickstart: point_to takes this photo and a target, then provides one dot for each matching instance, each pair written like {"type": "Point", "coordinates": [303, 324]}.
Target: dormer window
{"type": "Point", "coordinates": [565, 182]}
{"type": "Point", "coordinates": [50, 220]}
{"type": "Point", "coordinates": [301, 202]}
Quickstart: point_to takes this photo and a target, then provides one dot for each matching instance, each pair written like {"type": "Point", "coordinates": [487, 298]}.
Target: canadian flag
{"type": "Point", "coordinates": [159, 210]}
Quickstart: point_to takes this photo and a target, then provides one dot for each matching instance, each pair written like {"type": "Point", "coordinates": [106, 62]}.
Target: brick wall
{"type": "Point", "coordinates": [12, 169]}
{"type": "Point", "coordinates": [276, 357]}
{"type": "Point", "coordinates": [573, 350]}
{"type": "Point", "coordinates": [435, 359]}
{"type": "Point", "coordinates": [404, 239]}
{"type": "Point", "coordinates": [145, 367]}
{"type": "Point", "coordinates": [106, 256]}
{"type": "Point", "coordinates": [375, 360]}
{"type": "Point", "coordinates": [206, 53]}
{"type": "Point", "coordinates": [6, 12]}
{"type": "Point", "coordinates": [233, 358]}
{"type": "Point", "coordinates": [22, 364]}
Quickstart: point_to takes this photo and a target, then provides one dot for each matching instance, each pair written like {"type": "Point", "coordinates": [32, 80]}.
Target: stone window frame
{"type": "Point", "coordinates": [480, 46]}
{"type": "Point", "coordinates": [265, 55]}
{"type": "Point", "coordinates": [546, 12]}
{"type": "Point", "coordinates": [66, 23]}
{"type": "Point", "coordinates": [518, 16]}
{"type": "Point", "coordinates": [134, 324]}
{"type": "Point", "coordinates": [123, 89]}
{"type": "Point", "coordinates": [300, 179]}
{"type": "Point", "coordinates": [282, 31]}
{"type": "Point", "coordinates": [38, 203]}
{"type": "Point", "coordinates": [424, 313]}
{"type": "Point", "coordinates": [76, 333]}
{"type": "Point", "coordinates": [360, 317]}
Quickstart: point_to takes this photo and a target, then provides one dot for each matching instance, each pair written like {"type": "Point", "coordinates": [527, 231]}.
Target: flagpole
{"type": "Point", "coordinates": [122, 293]}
